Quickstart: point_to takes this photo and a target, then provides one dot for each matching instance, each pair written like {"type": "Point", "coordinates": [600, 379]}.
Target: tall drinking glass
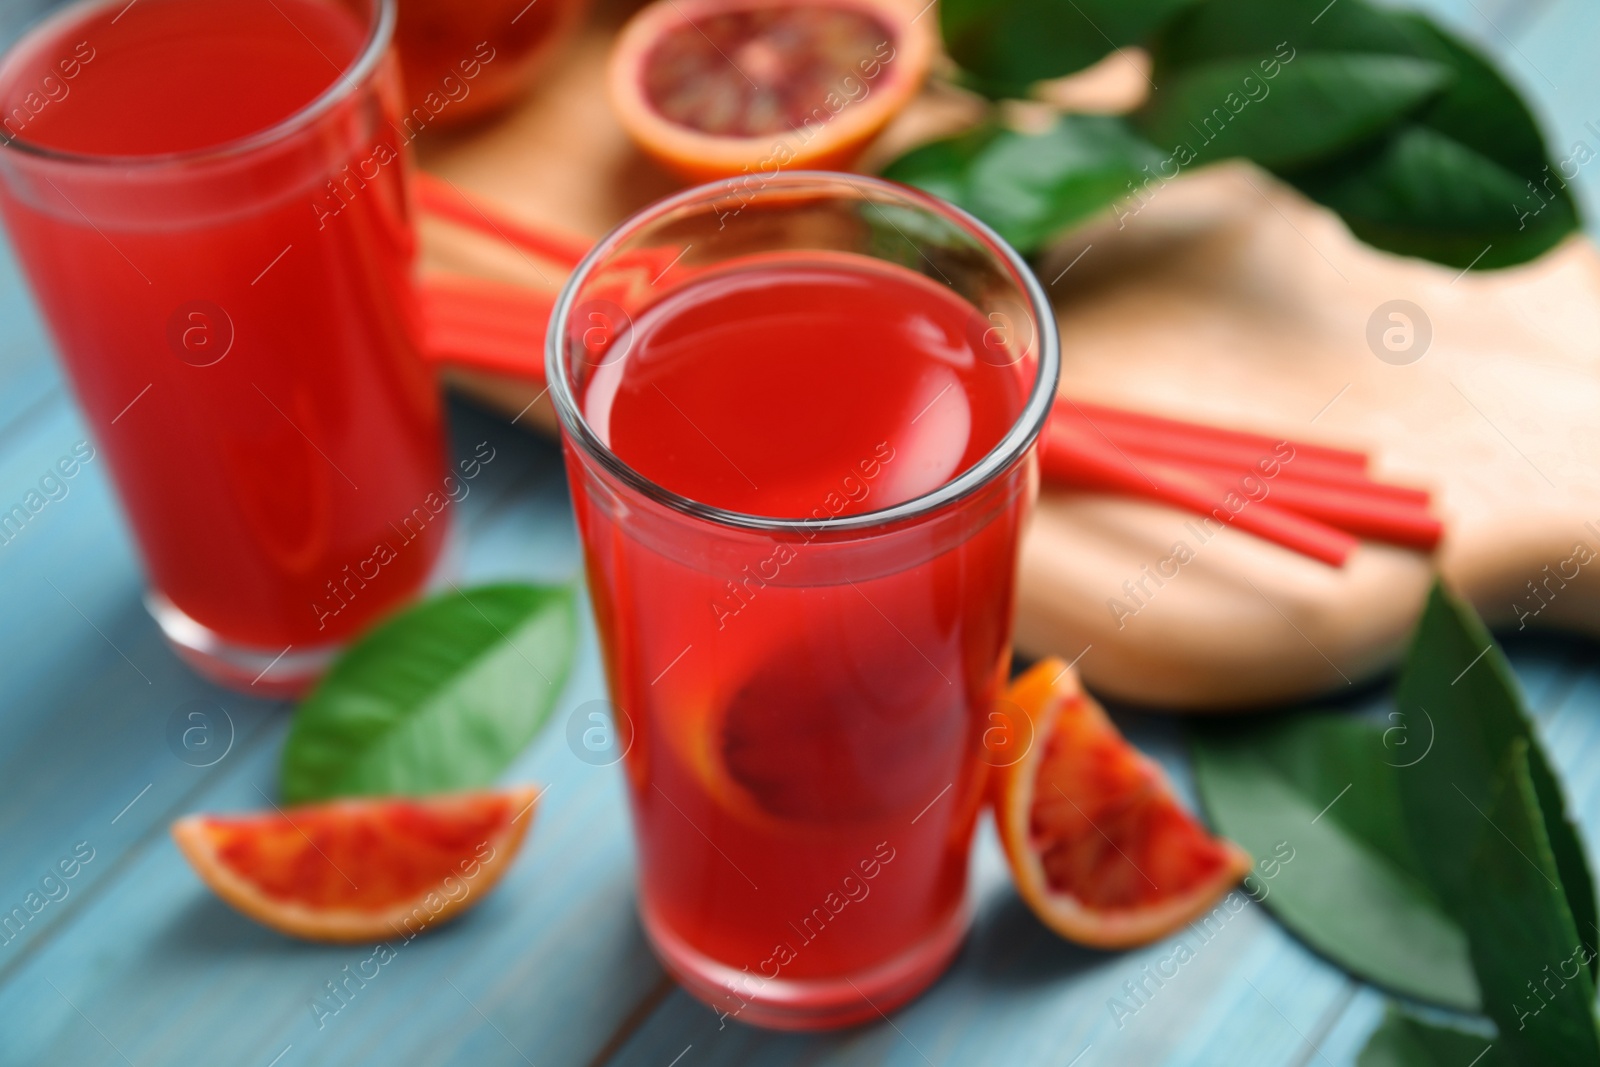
{"type": "Point", "coordinates": [208, 199]}
{"type": "Point", "coordinates": [798, 413]}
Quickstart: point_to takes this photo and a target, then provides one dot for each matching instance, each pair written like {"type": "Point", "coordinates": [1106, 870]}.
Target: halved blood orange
{"type": "Point", "coordinates": [1099, 846]}
{"type": "Point", "coordinates": [360, 869]}
{"type": "Point", "coordinates": [717, 88]}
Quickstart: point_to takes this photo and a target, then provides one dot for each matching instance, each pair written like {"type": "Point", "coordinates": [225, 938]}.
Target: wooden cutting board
{"type": "Point", "coordinates": [1226, 298]}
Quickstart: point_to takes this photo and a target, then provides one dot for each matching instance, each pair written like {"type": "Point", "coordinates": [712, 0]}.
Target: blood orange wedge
{"type": "Point", "coordinates": [717, 88]}
{"type": "Point", "coordinates": [360, 869]}
{"type": "Point", "coordinates": [1099, 845]}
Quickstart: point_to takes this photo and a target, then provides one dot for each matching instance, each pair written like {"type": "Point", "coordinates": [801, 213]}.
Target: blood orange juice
{"type": "Point", "coordinates": [800, 475]}
{"type": "Point", "coordinates": [208, 199]}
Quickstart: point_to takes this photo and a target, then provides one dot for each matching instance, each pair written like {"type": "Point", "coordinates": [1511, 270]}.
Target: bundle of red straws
{"type": "Point", "coordinates": [1314, 499]}
{"type": "Point", "coordinates": [1311, 498]}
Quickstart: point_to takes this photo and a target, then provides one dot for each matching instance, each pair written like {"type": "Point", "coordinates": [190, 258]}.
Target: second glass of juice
{"type": "Point", "coordinates": [798, 414]}
{"type": "Point", "coordinates": [208, 198]}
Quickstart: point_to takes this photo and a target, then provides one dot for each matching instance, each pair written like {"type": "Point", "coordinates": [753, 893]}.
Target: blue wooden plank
{"type": "Point", "coordinates": [1350, 1032]}
{"type": "Point", "coordinates": [90, 688]}
{"type": "Point", "coordinates": [28, 373]}
{"type": "Point", "coordinates": [75, 541]}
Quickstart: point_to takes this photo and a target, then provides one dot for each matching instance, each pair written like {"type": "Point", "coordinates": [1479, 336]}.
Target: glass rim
{"type": "Point", "coordinates": [1025, 429]}
{"type": "Point", "coordinates": [379, 33]}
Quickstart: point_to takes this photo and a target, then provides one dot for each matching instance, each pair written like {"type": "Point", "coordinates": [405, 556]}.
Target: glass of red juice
{"type": "Point", "coordinates": [208, 199]}
{"type": "Point", "coordinates": [798, 413]}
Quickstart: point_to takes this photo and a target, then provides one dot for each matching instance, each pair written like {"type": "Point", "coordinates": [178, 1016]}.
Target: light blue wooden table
{"type": "Point", "coordinates": [139, 964]}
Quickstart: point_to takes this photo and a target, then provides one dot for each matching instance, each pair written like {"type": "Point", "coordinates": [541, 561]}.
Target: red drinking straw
{"type": "Point", "coordinates": [438, 197]}
{"type": "Point", "coordinates": [1207, 444]}
{"type": "Point", "coordinates": [1156, 427]}
{"type": "Point", "coordinates": [1380, 520]}
{"type": "Point", "coordinates": [484, 325]}
{"type": "Point", "coordinates": [1069, 457]}
{"type": "Point", "coordinates": [1346, 480]}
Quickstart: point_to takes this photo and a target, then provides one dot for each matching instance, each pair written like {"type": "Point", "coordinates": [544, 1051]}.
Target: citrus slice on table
{"type": "Point", "coordinates": [1099, 846]}
{"type": "Point", "coordinates": [363, 868]}
{"type": "Point", "coordinates": [717, 88]}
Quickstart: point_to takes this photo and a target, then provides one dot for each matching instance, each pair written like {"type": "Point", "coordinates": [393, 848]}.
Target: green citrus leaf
{"type": "Point", "coordinates": [1457, 686]}
{"type": "Point", "coordinates": [1403, 1040]}
{"type": "Point", "coordinates": [1007, 45]}
{"type": "Point", "coordinates": [1423, 194]}
{"type": "Point", "coordinates": [442, 696]}
{"type": "Point", "coordinates": [1324, 787]}
{"type": "Point", "coordinates": [1306, 109]}
{"type": "Point", "coordinates": [1529, 958]}
{"type": "Point", "coordinates": [1410, 135]}
{"type": "Point", "coordinates": [1479, 109]}
{"type": "Point", "coordinates": [1256, 29]}
{"type": "Point", "coordinates": [1031, 187]}
{"type": "Point", "coordinates": [943, 167]}
{"type": "Point", "coordinates": [1465, 181]}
